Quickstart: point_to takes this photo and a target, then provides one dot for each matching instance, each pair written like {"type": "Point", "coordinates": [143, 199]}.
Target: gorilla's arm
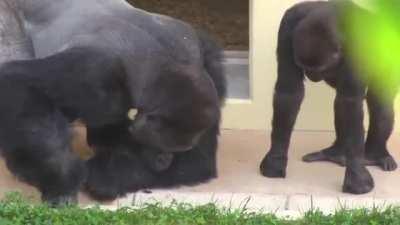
{"type": "Point", "coordinates": [349, 119]}
{"type": "Point", "coordinates": [212, 56]}
{"type": "Point", "coordinates": [289, 92]}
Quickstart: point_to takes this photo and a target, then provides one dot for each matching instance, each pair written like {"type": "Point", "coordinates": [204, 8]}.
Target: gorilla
{"type": "Point", "coordinates": [95, 60]}
{"type": "Point", "coordinates": [312, 44]}
{"type": "Point", "coordinates": [14, 43]}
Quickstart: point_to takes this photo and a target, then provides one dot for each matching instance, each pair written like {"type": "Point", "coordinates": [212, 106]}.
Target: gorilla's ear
{"type": "Point", "coordinates": [132, 114]}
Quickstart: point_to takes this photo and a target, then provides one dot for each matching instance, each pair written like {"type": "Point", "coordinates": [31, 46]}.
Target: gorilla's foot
{"type": "Point", "coordinates": [357, 180]}
{"type": "Point", "coordinates": [332, 154]}
{"type": "Point", "coordinates": [385, 161]}
{"type": "Point", "coordinates": [60, 200]}
{"type": "Point", "coordinates": [273, 166]}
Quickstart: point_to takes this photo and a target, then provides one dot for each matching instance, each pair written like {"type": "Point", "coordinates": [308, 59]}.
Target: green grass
{"type": "Point", "coordinates": [14, 210]}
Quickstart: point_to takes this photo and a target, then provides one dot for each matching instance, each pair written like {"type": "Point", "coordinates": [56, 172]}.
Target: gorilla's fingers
{"type": "Point", "coordinates": [386, 163]}
{"type": "Point", "coordinates": [157, 161]}
{"type": "Point", "coordinates": [62, 200]}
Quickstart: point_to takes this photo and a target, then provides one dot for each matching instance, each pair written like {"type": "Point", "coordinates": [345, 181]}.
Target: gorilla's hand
{"type": "Point", "coordinates": [156, 160]}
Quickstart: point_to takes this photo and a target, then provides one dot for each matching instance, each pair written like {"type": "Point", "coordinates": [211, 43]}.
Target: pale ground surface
{"type": "Point", "coordinates": [307, 186]}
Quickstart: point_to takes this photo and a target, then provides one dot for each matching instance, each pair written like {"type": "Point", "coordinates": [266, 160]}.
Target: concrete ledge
{"type": "Point", "coordinates": [284, 206]}
{"type": "Point", "coordinates": [240, 185]}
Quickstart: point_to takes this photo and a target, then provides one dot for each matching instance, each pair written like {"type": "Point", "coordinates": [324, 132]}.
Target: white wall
{"type": "Point", "coordinates": [317, 109]}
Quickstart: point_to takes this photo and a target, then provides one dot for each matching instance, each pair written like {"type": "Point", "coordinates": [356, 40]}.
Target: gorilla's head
{"type": "Point", "coordinates": [175, 110]}
{"type": "Point", "coordinates": [317, 45]}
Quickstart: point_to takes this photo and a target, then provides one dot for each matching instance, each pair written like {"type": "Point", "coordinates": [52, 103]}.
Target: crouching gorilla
{"type": "Point", "coordinates": [95, 60]}
{"type": "Point", "coordinates": [312, 42]}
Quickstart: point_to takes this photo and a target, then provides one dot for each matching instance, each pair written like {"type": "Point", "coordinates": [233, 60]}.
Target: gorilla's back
{"type": "Point", "coordinates": [118, 25]}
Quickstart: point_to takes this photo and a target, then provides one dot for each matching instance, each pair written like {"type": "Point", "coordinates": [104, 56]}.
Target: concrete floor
{"type": "Point", "coordinates": [307, 186]}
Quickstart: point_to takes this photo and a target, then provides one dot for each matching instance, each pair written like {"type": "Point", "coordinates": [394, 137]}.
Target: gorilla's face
{"type": "Point", "coordinates": [175, 112]}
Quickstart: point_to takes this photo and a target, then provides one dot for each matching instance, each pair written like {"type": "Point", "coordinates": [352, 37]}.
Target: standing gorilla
{"type": "Point", "coordinates": [311, 42]}
{"type": "Point", "coordinates": [95, 60]}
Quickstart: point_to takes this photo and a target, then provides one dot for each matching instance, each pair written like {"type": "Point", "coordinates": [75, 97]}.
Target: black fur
{"type": "Point", "coordinates": [311, 43]}
{"type": "Point", "coordinates": [39, 98]}
{"type": "Point", "coordinates": [212, 56]}
{"type": "Point", "coordinates": [114, 174]}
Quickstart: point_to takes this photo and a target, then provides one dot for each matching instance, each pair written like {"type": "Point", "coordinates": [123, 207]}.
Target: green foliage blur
{"type": "Point", "coordinates": [373, 38]}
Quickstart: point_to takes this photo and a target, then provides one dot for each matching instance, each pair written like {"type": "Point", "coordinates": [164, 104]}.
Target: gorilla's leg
{"type": "Point", "coordinates": [335, 153]}
{"type": "Point", "coordinates": [380, 127]}
{"type": "Point", "coordinates": [38, 151]}
{"type": "Point", "coordinates": [117, 167]}
{"type": "Point", "coordinates": [195, 166]}
{"type": "Point", "coordinates": [357, 179]}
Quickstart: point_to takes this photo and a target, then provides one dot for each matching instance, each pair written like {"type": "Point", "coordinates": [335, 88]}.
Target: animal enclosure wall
{"type": "Point", "coordinates": [263, 17]}
{"type": "Point", "coordinates": [229, 23]}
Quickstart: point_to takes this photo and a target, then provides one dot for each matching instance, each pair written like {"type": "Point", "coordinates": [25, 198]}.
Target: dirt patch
{"type": "Point", "coordinates": [228, 20]}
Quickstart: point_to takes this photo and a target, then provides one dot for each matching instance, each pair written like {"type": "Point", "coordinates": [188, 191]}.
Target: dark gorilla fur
{"type": "Point", "coordinates": [312, 44]}
{"type": "Point", "coordinates": [114, 173]}
{"type": "Point", "coordinates": [178, 112]}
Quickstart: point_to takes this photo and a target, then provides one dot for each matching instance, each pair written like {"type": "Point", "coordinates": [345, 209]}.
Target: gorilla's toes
{"type": "Point", "coordinates": [273, 167]}
{"type": "Point", "coordinates": [60, 200]}
{"type": "Point", "coordinates": [331, 154]}
{"type": "Point", "coordinates": [358, 180]}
